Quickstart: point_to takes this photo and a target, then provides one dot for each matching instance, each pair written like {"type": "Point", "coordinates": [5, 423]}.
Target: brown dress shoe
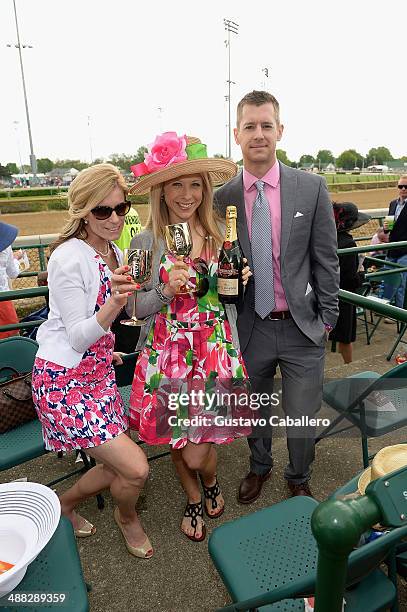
{"type": "Point", "coordinates": [301, 488]}
{"type": "Point", "coordinates": [250, 487]}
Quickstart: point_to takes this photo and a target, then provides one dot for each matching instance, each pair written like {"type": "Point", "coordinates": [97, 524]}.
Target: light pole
{"type": "Point", "coordinates": [19, 46]}
{"type": "Point", "coordinates": [230, 26]}
{"type": "Point", "coordinates": [226, 129]}
{"type": "Point", "coordinates": [18, 145]}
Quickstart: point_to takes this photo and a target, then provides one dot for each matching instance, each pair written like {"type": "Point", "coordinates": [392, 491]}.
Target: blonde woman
{"type": "Point", "coordinates": [189, 348]}
{"type": "Point", "coordinates": [74, 385]}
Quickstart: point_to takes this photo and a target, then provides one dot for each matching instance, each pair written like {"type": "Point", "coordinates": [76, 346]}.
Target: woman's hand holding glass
{"type": "Point", "coordinates": [178, 276]}
{"type": "Point", "coordinates": [122, 285]}
{"type": "Point", "coordinates": [139, 262]}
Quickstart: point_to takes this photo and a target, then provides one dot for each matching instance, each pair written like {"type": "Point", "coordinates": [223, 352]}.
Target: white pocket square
{"type": "Point", "coordinates": [309, 289]}
{"type": "Point", "coordinates": [298, 214]}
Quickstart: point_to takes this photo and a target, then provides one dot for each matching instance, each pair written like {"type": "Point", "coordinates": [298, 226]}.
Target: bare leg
{"type": "Point", "coordinates": [189, 460]}
{"type": "Point", "coordinates": [91, 483]}
{"type": "Point", "coordinates": [346, 351]}
{"type": "Point", "coordinates": [190, 485]}
{"type": "Point", "coordinates": [203, 457]}
{"type": "Point", "coordinates": [124, 470]}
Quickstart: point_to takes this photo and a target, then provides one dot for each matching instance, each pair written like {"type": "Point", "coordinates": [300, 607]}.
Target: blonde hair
{"type": "Point", "coordinates": [86, 191]}
{"type": "Point", "coordinates": [208, 217]}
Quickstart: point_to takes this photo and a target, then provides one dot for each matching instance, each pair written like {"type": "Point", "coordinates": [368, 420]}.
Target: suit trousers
{"type": "Point", "coordinates": [301, 362]}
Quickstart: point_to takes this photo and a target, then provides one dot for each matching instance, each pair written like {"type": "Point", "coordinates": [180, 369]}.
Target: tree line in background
{"type": "Point", "coordinates": [347, 160]}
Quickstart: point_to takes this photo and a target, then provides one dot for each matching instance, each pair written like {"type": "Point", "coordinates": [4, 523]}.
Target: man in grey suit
{"type": "Point", "coordinates": [287, 233]}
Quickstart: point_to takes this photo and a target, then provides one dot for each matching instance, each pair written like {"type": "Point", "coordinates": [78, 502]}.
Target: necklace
{"type": "Point", "coordinates": [99, 252]}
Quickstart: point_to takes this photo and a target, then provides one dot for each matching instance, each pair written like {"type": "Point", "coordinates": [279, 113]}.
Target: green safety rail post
{"type": "Point", "coordinates": [383, 262]}
{"type": "Point", "coordinates": [386, 310]}
{"type": "Point", "coordinates": [21, 294]}
{"type": "Point", "coordinates": [385, 246]}
{"type": "Point", "coordinates": [27, 274]}
{"type": "Point", "coordinates": [338, 524]}
{"type": "Point", "coordinates": [382, 273]}
{"type": "Point", "coordinates": [41, 252]}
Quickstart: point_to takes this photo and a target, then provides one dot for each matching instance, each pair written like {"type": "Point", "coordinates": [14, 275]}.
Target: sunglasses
{"type": "Point", "coordinates": [200, 266]}
{"type": "Point", "coordinates": [202, 284]}
{"type": "Point", "coordinates": [104, 212]}
{"type": "Point", "coordinates": [402, 186]}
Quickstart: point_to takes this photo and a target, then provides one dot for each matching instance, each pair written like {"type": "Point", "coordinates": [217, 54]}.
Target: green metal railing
{"type": "Point", "coordinates": [41, 247]}
{"type": "Point", "coordinates": [20, 294]}
{"type": "Point", "coordinates": [353, 298]}
{"type": "Point", "coordinates": [386, 246]}
{"type": "Point", "coordinates": [338, 524]}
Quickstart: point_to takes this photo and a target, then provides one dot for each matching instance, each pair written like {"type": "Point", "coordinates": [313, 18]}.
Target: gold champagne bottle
{"type": "Point", "coordinates": [230, 287]}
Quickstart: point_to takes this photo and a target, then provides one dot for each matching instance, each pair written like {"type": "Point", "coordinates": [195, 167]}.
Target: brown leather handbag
{"type": "Point", "coordinates": [16, 403]}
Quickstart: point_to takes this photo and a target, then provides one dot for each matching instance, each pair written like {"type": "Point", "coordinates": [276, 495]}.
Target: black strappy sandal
{"type": "Point", "coordinates": [192, 511]}
{"type": "Point", "coordinates": [212, 493]}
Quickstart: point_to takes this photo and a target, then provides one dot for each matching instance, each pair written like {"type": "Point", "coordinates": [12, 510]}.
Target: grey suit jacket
{"type": "Point", "coordinates": [308, 259]}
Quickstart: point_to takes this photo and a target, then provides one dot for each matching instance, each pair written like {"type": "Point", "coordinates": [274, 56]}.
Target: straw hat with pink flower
{"type": "Point", "coordinates": [170, 156]}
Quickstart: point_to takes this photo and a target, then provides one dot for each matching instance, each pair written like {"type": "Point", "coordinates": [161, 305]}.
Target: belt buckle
{"type": "Point", "coordinates": [283, 316]}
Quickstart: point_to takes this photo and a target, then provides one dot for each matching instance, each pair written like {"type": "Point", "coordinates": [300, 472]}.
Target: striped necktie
{"type": "Point", "coordinates": [262, 254]}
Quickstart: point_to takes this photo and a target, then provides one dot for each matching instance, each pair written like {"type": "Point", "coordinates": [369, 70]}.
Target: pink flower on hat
{"type": "Point", "coordinates": [166, 150]}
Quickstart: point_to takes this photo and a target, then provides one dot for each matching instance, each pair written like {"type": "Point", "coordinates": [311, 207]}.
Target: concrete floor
{"type": "Point", "coordinates": [180, 577]}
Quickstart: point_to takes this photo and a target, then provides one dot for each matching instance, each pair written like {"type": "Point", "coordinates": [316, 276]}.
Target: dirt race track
{"type": "Point", "coordinates": [52, 222]}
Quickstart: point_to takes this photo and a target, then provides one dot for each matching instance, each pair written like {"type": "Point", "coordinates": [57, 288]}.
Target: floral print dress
{"type": "Point", "coordinates": [190, 382]}
{"type": "Point", "coordinates": [80, 407]}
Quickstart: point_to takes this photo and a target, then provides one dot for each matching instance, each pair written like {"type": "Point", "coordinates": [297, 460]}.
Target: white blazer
{"type": "Point", "coordinates": [73, 280]}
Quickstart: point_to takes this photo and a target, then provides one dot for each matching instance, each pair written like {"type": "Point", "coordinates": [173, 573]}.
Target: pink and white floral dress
{"type": "Point", "coordinates": [80, 407]}
{"type": "Point", "coordinates": [190, 383]}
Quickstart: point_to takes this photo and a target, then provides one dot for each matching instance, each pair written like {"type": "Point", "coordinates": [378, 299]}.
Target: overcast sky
{"type": "Point", "coordinates": [337, 69]}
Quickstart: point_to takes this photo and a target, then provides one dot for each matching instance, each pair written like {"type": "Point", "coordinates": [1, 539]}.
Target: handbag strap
{"type": "Point", "coordinates": [17, 399]}
{"type": "Point", "coordinates": [22, 378]}
{"type": "Point", "coordinates": [11, 370]}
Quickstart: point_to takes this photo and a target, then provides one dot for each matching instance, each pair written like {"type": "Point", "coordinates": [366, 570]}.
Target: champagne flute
{"type": "Point", "coordinates": [179, 242]}
{"type": "Point", "coordinates": [140, 261]}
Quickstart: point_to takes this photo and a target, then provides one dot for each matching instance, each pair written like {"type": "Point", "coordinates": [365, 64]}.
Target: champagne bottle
{"type": "Point", "coordinates": [230, 287]}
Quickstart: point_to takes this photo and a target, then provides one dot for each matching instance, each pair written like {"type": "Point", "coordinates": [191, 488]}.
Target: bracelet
{"type": "Point", "coordinates": [160, 292]}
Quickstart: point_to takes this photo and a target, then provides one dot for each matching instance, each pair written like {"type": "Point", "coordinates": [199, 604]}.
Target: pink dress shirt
{"type": "Point", "coordinates": [272, 192]}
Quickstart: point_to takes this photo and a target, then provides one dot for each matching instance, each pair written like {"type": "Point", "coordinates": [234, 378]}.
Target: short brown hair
{"type": "Point", "coordinates": [257, 98]}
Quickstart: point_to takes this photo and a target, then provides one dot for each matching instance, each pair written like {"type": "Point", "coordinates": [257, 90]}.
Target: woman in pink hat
{"type": "Point", "coordinates": [189, 346]}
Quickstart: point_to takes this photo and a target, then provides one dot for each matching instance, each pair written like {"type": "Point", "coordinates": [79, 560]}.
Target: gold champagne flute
{"type": "Point", "coordinates": [179, 242]}
{"type": "Point", "coordinates": [140, 261]}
